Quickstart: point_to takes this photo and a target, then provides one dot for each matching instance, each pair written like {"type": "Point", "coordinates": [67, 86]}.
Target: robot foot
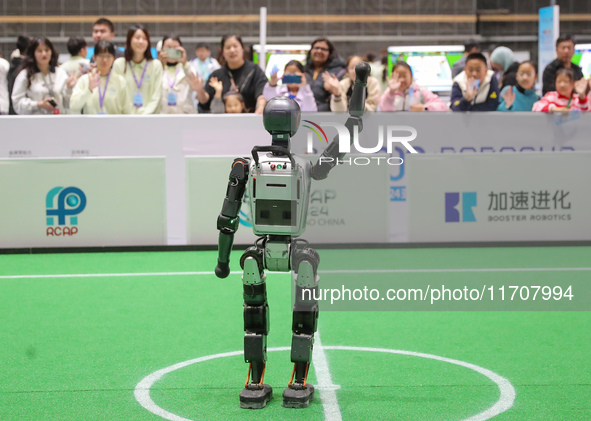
{"type": "Point", "coordinates": [255, 398]}
{"type": "Point", "coordinates": [298, 396]}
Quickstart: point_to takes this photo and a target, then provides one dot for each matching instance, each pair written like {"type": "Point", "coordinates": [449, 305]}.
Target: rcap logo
{"type": "Point", "coordinates": [345, 138]}
{"type": "Point", "coordinates": [64, 202]}
{"type": "Point", "coordinates": [452, 200]}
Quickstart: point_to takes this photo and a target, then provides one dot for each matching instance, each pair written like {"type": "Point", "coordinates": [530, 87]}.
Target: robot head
{"type": "Point", "coordinates": [282, 116]}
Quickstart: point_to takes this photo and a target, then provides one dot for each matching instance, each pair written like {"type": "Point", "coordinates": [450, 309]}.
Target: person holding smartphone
{"type": "Point", "coordinates": [177, 92]}
{"type": "Point", "coordinates": [294, 86]}
{"type": "Point", "coordinates": [142, 73]}
{"type": "Point", "coordinates": [101, 91]}
{"type": "Point", "coordinates": [41, 87]}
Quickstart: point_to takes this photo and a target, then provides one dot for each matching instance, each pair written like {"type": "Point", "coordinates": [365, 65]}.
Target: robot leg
{"type": "Point", "coordinates": [305, 321]}
{"type": "Point", "coordinates": [255, 394]}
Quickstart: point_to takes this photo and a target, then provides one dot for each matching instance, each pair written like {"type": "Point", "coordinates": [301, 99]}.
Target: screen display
{"type": "Point", "coordinates": [277, 56]}
{"type": "Point", "coordinates": [582, 58]}
{"type": "Point", "coordinates": [431, 65]}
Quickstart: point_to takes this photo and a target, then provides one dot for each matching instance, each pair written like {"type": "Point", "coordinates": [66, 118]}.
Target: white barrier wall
{"type": "Point", "coordinates": [532, 196]}
{"type": "Point", "coordinates": [82, 202]}
{"type": "Point", "coordinates": [175, 137]}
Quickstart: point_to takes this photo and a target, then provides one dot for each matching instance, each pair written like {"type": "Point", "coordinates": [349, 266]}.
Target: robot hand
{"type": "Point", "coordinates": [222, 270]}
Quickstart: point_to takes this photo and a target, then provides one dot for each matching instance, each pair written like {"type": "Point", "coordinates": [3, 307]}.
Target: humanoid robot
{"type": "Point", "coordinates": [279, 188]}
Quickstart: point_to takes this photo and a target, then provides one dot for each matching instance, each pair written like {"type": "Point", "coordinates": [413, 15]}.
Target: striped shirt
{"type": "Point", "coordinates": [554, 100]}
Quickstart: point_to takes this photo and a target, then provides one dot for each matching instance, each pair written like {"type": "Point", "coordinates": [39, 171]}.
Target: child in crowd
{"type": "Point", "coordinates": [233, 102]}
{"type": "Point", "coordinates": [522, 96]}
{"type": "Point", "coordinates": [475, 89]}
{"type": "Point", "coordinates": [342, 90]}
{"type": "Point", "coordinates": [230, 103]}
{"type": "Point", "coordinates": [300, 91]}
{"type": "Point", "coordinates": [403, 94]}
{"type": "Point", "coordinates": [564, 98]}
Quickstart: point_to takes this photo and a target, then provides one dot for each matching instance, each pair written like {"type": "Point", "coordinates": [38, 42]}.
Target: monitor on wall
{"type": "Point", "coordinates": [431, 64]}
{"type": "Point", "coordinates": [277, 56]}
{"type": "Point", "coordinates": [582, 58]}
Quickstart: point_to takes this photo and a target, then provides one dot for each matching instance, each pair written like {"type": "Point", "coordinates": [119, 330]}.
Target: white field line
{"type": "Point", "coordinates": [343, 271]}
{"type": "Point", "coordinates": [328, 390]}
{"type": "Point", "coordinates": [505, 402]}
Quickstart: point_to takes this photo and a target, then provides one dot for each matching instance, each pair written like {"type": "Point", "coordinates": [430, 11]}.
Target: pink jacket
{"type": "Point", "coordinates": [554, 99]}
{"type": "Point", "coordinates": [401, 101]}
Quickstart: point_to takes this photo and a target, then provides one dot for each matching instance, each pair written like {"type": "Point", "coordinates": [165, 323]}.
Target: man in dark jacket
{"type": "Point", "coordinates": [565, 50]}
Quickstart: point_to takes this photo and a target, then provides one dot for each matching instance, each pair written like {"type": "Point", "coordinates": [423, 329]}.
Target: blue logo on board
{"type": "Point", "coordinates": [63, 207]}
{"type": "Point", "coordinates": [468, 202]}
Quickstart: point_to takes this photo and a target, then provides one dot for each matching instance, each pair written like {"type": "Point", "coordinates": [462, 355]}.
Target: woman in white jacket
{"type": "Point", "coordinates": [101, 91]}
{"type": "Point", "coordinates": [178, 77]}
{"type": "Point", "coordinates": [41, 87]}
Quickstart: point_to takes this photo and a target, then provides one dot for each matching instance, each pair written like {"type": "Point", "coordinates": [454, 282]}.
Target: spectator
{"type": "Point", "coordinates": [15, 61]}
{"type": "Point", "coordinates": [565, 50]}
{"type": "Point", "coordinates": [298, 91]}
{"type": "Point", "coordinates": [342, 91]}
{"type": "Point", "coordinates": [522, 96]}
{"type": "Point", "coordinates": [403, 94]}
{"type": "Point", "coordinates": [458, 67]}
{"type": "Point", "coordinates": [476, 88]}
{"type": "Point", "coordinates": [236, 74]}
{"type": "Point", "coordinates": [4, 101]}
{"type": "Point", "coordinates": [231, 102]}
{"type": "Point", "coordinates": [501, 61]}
{"type": "Point", "coordinates": [204, 64]}
{"type": "Point", "coordinates": [103, 29]}
{"type": "Point", "coordinates": [41, 87]}
{"type": "Point", "coordinates": [78, 50]}
{"type": "Point", "coordinates": [142, 73]}
{"type": "Point", "coordinates": [564, 99]}
{"type": "Point", "coordinates": [323, 60]}
{"type": "Point", "coordinates": [177, 93]}
{"type": "Point", "coordinates": [101, 91]}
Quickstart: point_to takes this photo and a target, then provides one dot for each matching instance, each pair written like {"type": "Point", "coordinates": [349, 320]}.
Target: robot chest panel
{"type": "Point", "coordinates": [278, 198]}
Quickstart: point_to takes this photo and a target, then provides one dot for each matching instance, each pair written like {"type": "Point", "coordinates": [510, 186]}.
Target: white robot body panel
{"type": "Point", "coordinates": [279, 195]}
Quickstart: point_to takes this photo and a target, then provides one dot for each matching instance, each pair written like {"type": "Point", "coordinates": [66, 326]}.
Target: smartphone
{"type": "Point", "coordinates": [173, 53]}
{"type": "Point", "coordinates": [292, 79]}
{"type": "Point", "coordinates": [52, 102]}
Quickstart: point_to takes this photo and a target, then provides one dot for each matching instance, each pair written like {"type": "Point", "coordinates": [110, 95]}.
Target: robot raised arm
{"type": "Point", "coordinates": [228, 219]}
{"type": "Point", "coordinates": [330, 156]}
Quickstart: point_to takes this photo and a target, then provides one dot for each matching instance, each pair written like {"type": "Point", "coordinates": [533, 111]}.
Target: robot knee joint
{"type": "Point", "coordinates": [305, 322]}
{"type": "Point", "coordinates": [256, 319]}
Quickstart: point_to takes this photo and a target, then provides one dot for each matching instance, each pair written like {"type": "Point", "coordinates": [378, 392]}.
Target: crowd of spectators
{"type": "Point", "coordinates": [133, 81]}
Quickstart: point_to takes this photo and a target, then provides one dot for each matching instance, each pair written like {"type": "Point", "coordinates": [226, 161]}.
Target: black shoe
{"type": "Point", "coordinates": [298, 397]}
{"type": "Point", "coordinates": [255, 398]}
